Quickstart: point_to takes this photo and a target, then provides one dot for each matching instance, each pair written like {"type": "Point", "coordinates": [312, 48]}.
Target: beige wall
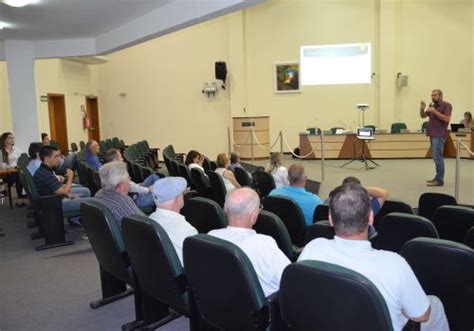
{"type": "Point", "coordinates": [74, 80]}
{"type": "Point", "coordinates": [5, 112]}
{"type": "Point", "coordinates": [163, 79]}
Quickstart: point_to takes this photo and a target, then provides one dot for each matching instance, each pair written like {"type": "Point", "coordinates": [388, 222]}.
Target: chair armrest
{"type": "Point", "coordinates": [275, 314]}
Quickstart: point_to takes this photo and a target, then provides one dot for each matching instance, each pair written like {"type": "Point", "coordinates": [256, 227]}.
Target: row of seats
{"type": "Point", "coordinates": [218, 287]}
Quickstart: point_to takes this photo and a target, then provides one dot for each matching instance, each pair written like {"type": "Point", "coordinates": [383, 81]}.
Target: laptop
{"type": "Point", "coordinates": [365, 133]}
{"type": "Point", "coordinates": [312, 186]}
{"type": "Point", "coordinates": [456, 126]}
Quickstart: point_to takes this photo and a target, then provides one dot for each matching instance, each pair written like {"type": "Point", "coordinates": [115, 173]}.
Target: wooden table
{"type": "Point", "coordinates": [4, 172]}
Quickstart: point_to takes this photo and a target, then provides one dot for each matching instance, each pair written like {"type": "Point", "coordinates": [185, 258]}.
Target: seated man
{"type": "Point", "coordinates": [242, 207]}
{"type": "Point", "coordinates": [92, 152]}
{"type": "Point", "coordinates": [168, 195]}
{"type": "Point", "coordinates": [114, 193]}
{"type": "Point", "coordinates": [47, 183]}
{"type": "Point", "coordinates": [143, 190]}
{"type": "Point", "coordinates": [350, 214]}
{"type": "Point", "coordinates": [296, 191]}
{"type": "Point", "coordinates": [377, 195]}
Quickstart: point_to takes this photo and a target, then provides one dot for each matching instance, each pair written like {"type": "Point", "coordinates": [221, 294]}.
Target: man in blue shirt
{"type": "Point", "coordinates": [296, 191]}
{"type": "Point", "coordinates": [92, 152]}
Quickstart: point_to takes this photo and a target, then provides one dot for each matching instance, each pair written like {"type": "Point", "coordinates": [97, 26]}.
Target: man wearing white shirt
{"type": "Point", "coordinates": [350, 213]}
{"type": "Point", "coordinates": [168, 195]}
{"type": "Point", "coordinates": [242, 207]}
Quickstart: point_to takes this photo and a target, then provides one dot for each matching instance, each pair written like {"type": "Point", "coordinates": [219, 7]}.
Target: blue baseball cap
{"type": "Point", "coordinates": [168, 188]}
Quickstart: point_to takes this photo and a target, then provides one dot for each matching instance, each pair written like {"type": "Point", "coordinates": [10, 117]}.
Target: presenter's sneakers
{"type": "Point", "coordinates": [431, 180]}
{"type": "Point", "coordinates": [435, 183]}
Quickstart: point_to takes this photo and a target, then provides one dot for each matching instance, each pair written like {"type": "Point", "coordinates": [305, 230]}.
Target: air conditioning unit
{"type": "Point", "coordinates": [88, 59]}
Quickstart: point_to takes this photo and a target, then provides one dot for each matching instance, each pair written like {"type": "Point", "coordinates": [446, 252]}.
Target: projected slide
{"type": "Point", "coordinates": [336, 64]}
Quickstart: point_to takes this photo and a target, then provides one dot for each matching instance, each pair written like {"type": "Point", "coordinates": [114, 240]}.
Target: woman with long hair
{"type": "Point", "coordinates": [277, 170]}
{"type": "Point", "coordinates": [194, 159]}
{"type": "Point", "coordinates": [9, 159]}
{"type": "Point", "coordinates": [223, 164]}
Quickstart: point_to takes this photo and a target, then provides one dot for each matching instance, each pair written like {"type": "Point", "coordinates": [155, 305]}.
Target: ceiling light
{"type": "Point", "coordinates": [17, 3]}
{"type": "Point", "coordinates": [2, 25]}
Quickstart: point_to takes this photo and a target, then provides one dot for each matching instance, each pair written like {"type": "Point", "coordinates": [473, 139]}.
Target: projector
{"type": "Point", "coordinates": [362, 106]}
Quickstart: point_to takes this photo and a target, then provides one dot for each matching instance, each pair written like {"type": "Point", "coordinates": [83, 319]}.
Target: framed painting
{"type": "Point", "coordinates": [287, 77]}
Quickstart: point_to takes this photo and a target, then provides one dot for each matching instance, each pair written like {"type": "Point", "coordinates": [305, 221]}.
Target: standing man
{"type": "Point", "coordinates": [439, 113]}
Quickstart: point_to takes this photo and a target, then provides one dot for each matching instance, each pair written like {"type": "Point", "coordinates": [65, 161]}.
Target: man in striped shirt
{"type": "Point", "coordinates": [114, 193]}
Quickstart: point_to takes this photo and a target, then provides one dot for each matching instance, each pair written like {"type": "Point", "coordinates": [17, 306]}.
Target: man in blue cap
{"type": "Point", "coordinates": [168, 195]}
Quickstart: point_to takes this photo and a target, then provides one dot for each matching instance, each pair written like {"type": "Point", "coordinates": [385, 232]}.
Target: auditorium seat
{"type": "Point", "coordinates": [445, 269]}
{"type": "Point", "coordinates": [271, 225]}
{"type": "Point", "coordinates": [335, 129]}
{"type": "Point", "coordinates": [395, 229]}
{"type": "Point", "coordinates": [204, 214]}
{"type": "Point", "coordinates": [185, 173]}
{"type": "Point", "coordinates": [217, 188]}
{"type": "Point", "coordinates": [321, 213]}
{"type": "Point", "coordinates": [424, 127]}
{"type": "Point", "coordinates": [373, 127]}
{"type": "Point", "coordinates": [265, 182]}
{"type": "Point", "coordinates": [316, 295]}
{"type": "Point", "coordinates": [469, 239]}
{"type": "Point", "coordinates": [397, 127]}
{"type": "Point", "coordinates": [430, 201]}
{"type": "Point", "coordinates": [453, 222]}
{"type": "Point", "coordinates": [206, 164]}
{"type": "Point", "coordinates": [227, 291]}
{"type": "Point", "coordinates": [321, 229]}
{"type": "Point", "coordinates": [201, 182]}
{"type": "Point", "coordinates": [392, 206]}
{"type": "Point", "coordinates": [242, 177]}
{"type": "Point", "coordinates": [159, 271]}
{"type": "Point", "coordinates": [175, 167]}
{"type": "Point", "coordinates": [290, 214]}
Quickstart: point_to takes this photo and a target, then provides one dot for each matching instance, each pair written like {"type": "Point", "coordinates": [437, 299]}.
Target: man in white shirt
{"type": "Point", "coordinates": [350, 213]}
{"type": "Point", "coordinates": [242, 207]}
{"type": "Point", "coordinates": [168, 196]}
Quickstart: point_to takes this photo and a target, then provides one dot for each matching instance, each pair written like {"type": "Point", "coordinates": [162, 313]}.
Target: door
{"type": "Point", "coordinates": [92, 107]}
{"type": "Point", "coordinates": [57, 120]}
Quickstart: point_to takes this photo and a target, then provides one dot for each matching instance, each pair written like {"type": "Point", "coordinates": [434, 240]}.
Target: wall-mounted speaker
{"type": "Point", "coordinates": [221, 71]}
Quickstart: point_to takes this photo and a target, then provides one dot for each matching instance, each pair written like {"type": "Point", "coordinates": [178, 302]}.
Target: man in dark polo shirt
{"type": "Point", "coordinates": [439, 113]}
{"type": "Point", "coordinates": [47, 183]}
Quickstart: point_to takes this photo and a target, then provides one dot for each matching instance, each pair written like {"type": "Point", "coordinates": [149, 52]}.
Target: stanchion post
{"type": "Point", "coordinates": [322, 156]}
{"type": "Point", "coordinates": [281, 142]}
{"type": "Point", "coordinates": [458, 159]}
{"type": "Point", "coordinates": [251, 145]}
{"type": "Point", "coordinates": [229, 141]}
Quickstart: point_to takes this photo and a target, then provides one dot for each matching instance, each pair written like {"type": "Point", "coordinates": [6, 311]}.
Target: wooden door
{"type": "Point", "coordinates": [57, 120]}
{"type": "Point", "coordinates": [92, 106]}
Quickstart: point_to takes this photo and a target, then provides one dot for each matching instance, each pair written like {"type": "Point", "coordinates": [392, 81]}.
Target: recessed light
{"type": "Point", "coordinates": [2, 25]}
{"type": "Point", "coordinates": [17, 3]}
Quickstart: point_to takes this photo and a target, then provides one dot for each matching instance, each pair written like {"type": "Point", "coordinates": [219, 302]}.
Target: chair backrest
{"type": "Point", "coordinates": [224, 283]}
{"type": "Point", "coordinates": [217, 187]}
{"type": "Point", "coordinates": [453, 222]}
{"type": "Point", "coordinates": [265, 182]}
{"type": "Point", "coordinates": [206, 164]}
{"type": "Point", "coordinates": [213, 165]}
{"type": "Point", "coordinates": [168, 165]}
{"type": "Point", "coordinates": [469, 240]}
{"type": "Point", "coordinates": [201, 182]}
{"type": "Point", "coordinates": [430, 201]}
{"type": "Point", "coordinates": [373, 127]}
{"type": "Point", "coordinates": [330, 286]}
{"type": "Point", "coordinates": [397, 127]}
{"type": "Point", "coordinates": [334, 129]}
{"type": "Point", "coordinates": [159, 271]}
{"type": "Point", "coordinates": [23, 161]}
{"type": "Point", "coordinates": [321, 213]}
{"type": "Point", "coordinates": [185, 173]}
{"type": "Point", "coordinates": [291, 215]}
{"type": "Point", "coordinates": [175, 167]}
{"type": "Point", "coordinates": [392, 206]}
{"type": "Point", "coordinates": [270, 224]}
{"type": "Point", "coordinates": [445, 269]}
{"type": "Point", "coordinates": [242, 177]}
{"type": "Point", "coordinates": [321, 229]}
{"type": "Point", "coordinates": [424, 126]}
{"type": "Point", "coordinates": [105, 237]}
{"type": "Point", "coordinates": [395, 229]}
{"type": "Point", "coordinates": [204, 214]}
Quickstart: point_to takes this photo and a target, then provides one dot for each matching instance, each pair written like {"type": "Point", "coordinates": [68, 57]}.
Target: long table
{"type": "Point", "coordinates": [384, 146]}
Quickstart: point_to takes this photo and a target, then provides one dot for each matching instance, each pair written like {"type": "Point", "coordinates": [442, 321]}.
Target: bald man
{"type": "Point", "coordinates": [242, 207]}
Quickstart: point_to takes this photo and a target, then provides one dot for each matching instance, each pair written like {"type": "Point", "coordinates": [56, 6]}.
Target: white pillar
{"type": "Point", "coordinates": [20, 56]}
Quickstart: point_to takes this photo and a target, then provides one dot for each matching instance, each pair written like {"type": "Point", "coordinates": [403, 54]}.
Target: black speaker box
{"type": "Point", "coordinates": [221, 71]}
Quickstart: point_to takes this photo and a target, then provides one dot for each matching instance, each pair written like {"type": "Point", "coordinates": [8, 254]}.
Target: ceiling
{"type": "Point", "coordinates": [70, 19]}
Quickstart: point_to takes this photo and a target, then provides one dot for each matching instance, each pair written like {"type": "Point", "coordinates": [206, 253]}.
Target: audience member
{"type": "Point", "coordinates": [235, 161]}
{"type": "Point", "coordinates": [228, 176]}
{"type": "Point", "coordinates": [144, 197]}
{"type": "Point", "coordinates": [35, 161]}
{"type": "Point", "coordinates": [377, 195]}
{"type": "Point", "coordinates": [242, 207]}
{"type": "Point", "coordinates": [168, 195]}
{"type": "Point", "coordinates": [45, 139]}
{"type": "Point", "coordinates": [350, 213]}
{"type": "Point", "coordinates": [114, 193]}
{"type": "Point", "coordinates": [278, 171]}
{"type": "Point", "coordinates": [194, 159]}
{"type": "Point", "coordinates": [296, 191]}
{"type": "Point", "coordinates": [10, 155]}
{"type": "Point", "coordinates": [467, 120]}
{"type": "Point", "coordinates": [92, 152]}
{"type": "Point", "coordinates": [47, 183]}
{"type": "Point", "coordinates": [70, 161]}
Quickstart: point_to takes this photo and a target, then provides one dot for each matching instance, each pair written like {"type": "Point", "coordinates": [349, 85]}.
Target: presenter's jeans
{"type": "Point", "coordinates": [437, 150]}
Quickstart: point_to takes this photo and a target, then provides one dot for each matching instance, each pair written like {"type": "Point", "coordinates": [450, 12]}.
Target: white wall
{"type": "Point", "coordinates": [5, 112]}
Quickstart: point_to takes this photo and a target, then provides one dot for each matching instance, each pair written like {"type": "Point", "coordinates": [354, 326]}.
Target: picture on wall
{"type": "Point", "coordinates": [287, 77]}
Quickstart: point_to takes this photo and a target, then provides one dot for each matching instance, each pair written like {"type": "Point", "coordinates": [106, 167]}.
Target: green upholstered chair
{"type": "Point", "coordinates": [397, 127]}
{"type": "Point", "coordinates": [204, 214]}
